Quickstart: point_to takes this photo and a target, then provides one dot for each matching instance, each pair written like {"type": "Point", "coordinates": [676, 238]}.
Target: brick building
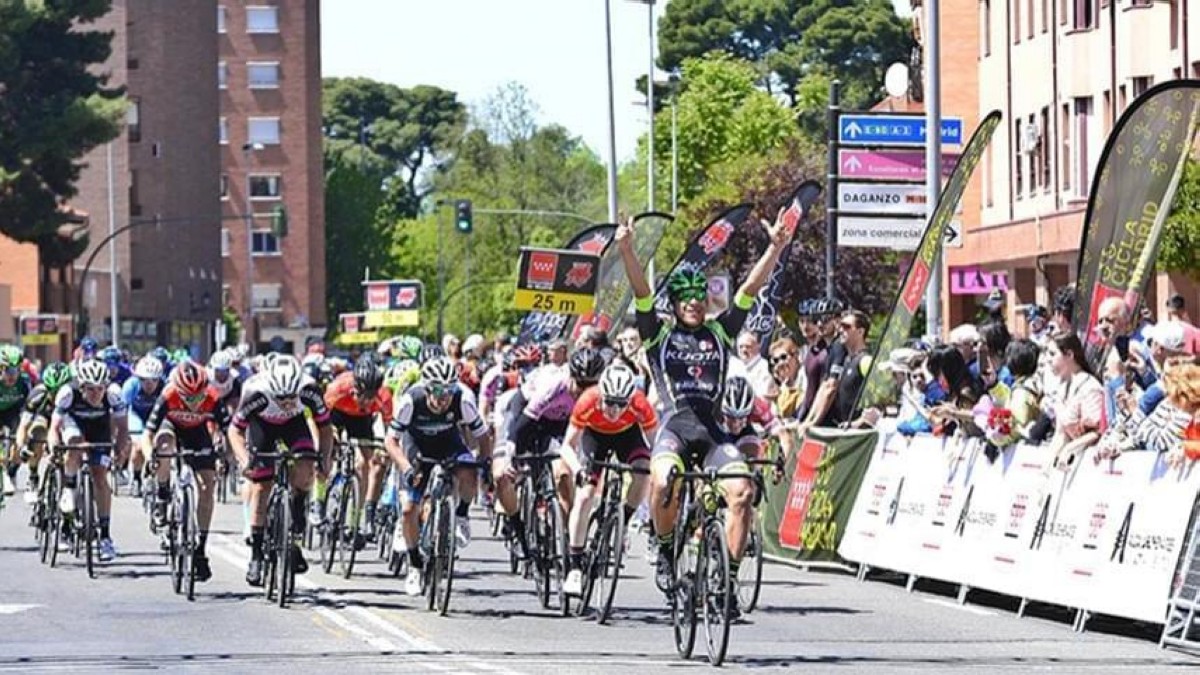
{"type": "Point", "coordinates": [269, 68]}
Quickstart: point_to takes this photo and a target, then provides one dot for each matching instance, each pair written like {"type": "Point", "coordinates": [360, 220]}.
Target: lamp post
{"type": "Point", "coordinates": [112, 250]}
{"type": "Point", "coordinates": [612, 113]}
{"type": "Point", "coordinates": [248, 150]}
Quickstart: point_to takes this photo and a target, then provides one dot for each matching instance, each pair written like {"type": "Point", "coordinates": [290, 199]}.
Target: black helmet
{"type": "Point", "coordinates": [431, 352]}
{"type": "Point", "coordinates": [586, 364]}
{"type": "Point", "coordinates": [368, 378]}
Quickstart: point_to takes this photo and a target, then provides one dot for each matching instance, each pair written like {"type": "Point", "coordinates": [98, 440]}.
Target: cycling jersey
{"type": "Point", "coordinates": [39, 403]}
{"type": "Point", "coordinates": [433, 433]}
{"type": "Point", "coordinates": [13, 397]}
{"type": "Point", "coordinates": [139, 401]}
{"type": "Point", "coordinates": [589, 414]}
{"type": "Point", "coordinates": [173, 409]}
{"type": "Point", "coordinates": [257, 403]}
{"type": "Point", "coordinates": [551, 399]}
{"type": "Point", "coordinates": [497, 381]}
{"type": "Point", "coordinates": [229, 391]}
{"type": "Point", "coordinates": [692, 361]}
{"type": "Point", "coordinates": [78, 418]}
{"type": "Point", "coordinates": [340, 397]}
{"type": "Point", "coordinates": [120, 373]}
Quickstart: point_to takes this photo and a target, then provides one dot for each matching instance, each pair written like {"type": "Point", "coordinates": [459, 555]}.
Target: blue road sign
{"type": "Point", "coordinates": [894, 130]}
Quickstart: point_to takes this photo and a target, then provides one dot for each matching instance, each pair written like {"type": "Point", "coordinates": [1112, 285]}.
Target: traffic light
{"type": "Point", "coordinates": [462, 216]}
{"type": "Point", "coordinates": [279, 222]}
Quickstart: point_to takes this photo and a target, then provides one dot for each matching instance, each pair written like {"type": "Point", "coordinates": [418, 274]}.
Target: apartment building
{"type": "Point", "coordinates": [269, 82]}
{"type": "Point", "coordinates": [1061, 72]}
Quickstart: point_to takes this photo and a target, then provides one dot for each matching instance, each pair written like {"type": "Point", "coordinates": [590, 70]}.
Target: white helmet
{"type": "Point", "coordinates": [284, 375]}
{"type": "Point", "coordinates": [617, 383]}
{"type": "Point", "coordinates": [439, 371]}
{"type": "Point", "coordinates": [221, 360]}
{"type": "Point", "coordinates": [92, 372]}
{"type": "Point", "coordinates": [738, 400]}
{"type": "Point", "coordinates": [148, 368]}
{"type": "Point", "coordinates": [318, 359]}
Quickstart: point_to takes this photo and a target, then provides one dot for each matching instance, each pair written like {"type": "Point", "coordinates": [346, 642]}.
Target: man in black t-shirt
{"type": "Point", "coordinates": [846, 368]}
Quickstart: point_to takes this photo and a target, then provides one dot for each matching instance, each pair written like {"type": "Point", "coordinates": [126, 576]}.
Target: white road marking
{"type": "Point", "coordinates": [14, 609]}
{"type": "Point", "coordinates": [978, 611]}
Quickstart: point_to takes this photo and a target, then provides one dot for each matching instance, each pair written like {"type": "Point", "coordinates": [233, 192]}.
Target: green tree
{"type": "Point", "coordinates": [789, 41]}
{"type": "Point", "coordinates": [1180, 247]}
{"type": "Point", "coordinates": [54, 108]}
{"type": "Point", "coordinates": [354, 238]}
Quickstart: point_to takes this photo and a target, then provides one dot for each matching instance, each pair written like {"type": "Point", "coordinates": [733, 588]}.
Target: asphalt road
{"type": "Point", "coordinates": [128, 618]}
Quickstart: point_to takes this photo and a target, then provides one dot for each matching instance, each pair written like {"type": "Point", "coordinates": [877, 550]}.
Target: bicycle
{"type": "Point", "coordinates": [749, 576]}
{"type": "Point", "coordinates": [605, 549]}
{"type": "Point", "coordinates": [437, 538]}
{"type": "Point", "coordinates": [87, 526]}
{"type": "Point", "coordinates": [183, 529]}
{"type": "Point", "coordinates": [278, 539]}
{"type": "Point", "coordinates": [45, 517]}
{"type": "Point", "coordinates": [227, 471]}
{"type": "Point", "coordinates": [339, 531]}
{"type": "Point", "coordinates": [386, 518]}
{"type": "Point", "coordinates": [701, 572]}
{"type": "Point", "coordinates": [545, 531]}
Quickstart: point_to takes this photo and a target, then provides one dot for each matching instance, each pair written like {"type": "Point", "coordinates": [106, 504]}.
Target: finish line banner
{"type": "Point", "coordinates": [805, 515]}
{"type": "Point", "coordinates": [1104, 536]}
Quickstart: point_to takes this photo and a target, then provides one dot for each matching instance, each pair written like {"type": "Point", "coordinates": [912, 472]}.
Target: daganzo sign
{"type": "Point", "coordinates": [882, 199]}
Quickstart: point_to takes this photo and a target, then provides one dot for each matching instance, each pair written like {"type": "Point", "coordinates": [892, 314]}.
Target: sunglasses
{"type": "Point", "coordinates": [780, 358]}
{"type": "Point", "coordinates": [615, 403]}
{"type": "Point", "coordinates": [441, 390]}
{"type": "Point", "coordinates": [687, 296]}
{"type": "Point", "coordinates": [12, 371]}
{"type": "Point", "coordinates": [290, 399]}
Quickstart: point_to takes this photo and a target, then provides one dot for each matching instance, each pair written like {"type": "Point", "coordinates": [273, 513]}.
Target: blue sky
{"type": "Point", "coordinates": [555, 48]}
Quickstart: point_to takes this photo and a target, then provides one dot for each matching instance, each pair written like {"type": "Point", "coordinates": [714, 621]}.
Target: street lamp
{"type": "Point", "coordinates": [650, 106]}
{"type": "Point", "coordinates": [248, 150]}
{"type": "Point", "coordinates": [612, 113]}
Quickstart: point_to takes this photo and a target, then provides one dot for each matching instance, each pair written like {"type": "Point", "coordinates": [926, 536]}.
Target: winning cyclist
{"type": "Point", "coordinates": [689, 356]}
{"type": "Point", "coordinates": [272, 411]}
{"type": "Point", "coordinates": [355, 398]}
{"type": "Point", "coordinates": [35, 420]}
{"type": "Point", "coordinates": [613, 418]}
{"type": "Point", "coordinates": [189, 415]}
{"type": "Point", "coordinates": [426, 423]}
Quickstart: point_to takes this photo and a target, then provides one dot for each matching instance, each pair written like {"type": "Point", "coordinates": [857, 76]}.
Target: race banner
{"type": "Point", "coordinates": [1135, 183]}
{"type": "Point", "coordinates": [557, 281]}
{"type": "Point", "coordinates": [704, 248]}
{"type": "Point", "coordinates": [805, 515]}
{"type": "Point", "coordinates": [395, 303]}
{"type": "Point", "coordinates": [39, 329]}
{"type": "Point", "coordinates": [545, 326]}
{"type": "Point", "coordinates": [353, 330]}
{"type": "Point", "coordinates": [879, 388]}
{"type": "Point", "coordinates": [615, 293]}
{"type": "Point", "coordinates": [762, 317]}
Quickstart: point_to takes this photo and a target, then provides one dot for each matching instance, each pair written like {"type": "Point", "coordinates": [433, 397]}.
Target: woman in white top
{"type": "Point", "coordinates": [1080, 410]}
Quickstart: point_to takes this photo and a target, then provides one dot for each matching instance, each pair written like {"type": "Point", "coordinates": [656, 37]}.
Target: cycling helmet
{"type": "Point", "coordinates": [738, 400]}
{"type": "Point", "coordinates": [684, 281]}
{"type": "Point", "coordinates": [367, 376]}
{"type": "Point", "coordinates": [11, 356]}
{"type": "Point", "coordinates": [88, 345]}
{"type": "Point", "coordinates": [190, 378]}
{"type": "Point", "coordinates": [284, 375]}
{"type": "Point", "coordinates": [148, 368]}
{"type": "Point", "coordinates": [617, 384]}
{"type": "Point", "coordinates": [410, 347]}
{"type": "Point", "coordinates": [161, 353]}
{"type": "Point", "coordinates": [431, 352]}
{"type": "Point", "coordinates": [526, 355]}
{"type": "Point", "coordinates": [586, 364]}
{"type": "Point", "coordinates": [221, 360]}
{"type": "Point", "coordinates": [439, 371]}
{"type": "Point", "coordinates": [312, 358]}
{"type": "Point", "coordinates": [110, 355]}
{"type": "Point", "coordinates": [92, 372]}
{"type": "Point", "coordinates": [807, 308]}
{"type": "Point", "coordinates": [55, 376]}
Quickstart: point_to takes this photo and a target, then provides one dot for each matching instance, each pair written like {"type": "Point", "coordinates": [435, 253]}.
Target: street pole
{"type": "Point", "coordinates": [650, 111]}
{"type": "Point", "coordinates": [467, 297]}
{"type": "Point", "coordinates": [831, 179]}
{"type": "Point", "coordinates": [674, 153]}
{"type": "Point", "coordinates": [933, 158]}
{"type": "Point", "coordinates": [437, 223]}
{"type": "Point", "coordinates": [612, 114]}
{"type": "Point", "coordinates": [112, 250]}
{"type": "Point", "coordinates": [248, 329]}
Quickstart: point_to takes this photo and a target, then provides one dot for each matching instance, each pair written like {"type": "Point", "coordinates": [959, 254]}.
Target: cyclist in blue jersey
{"type": "Point", "coordinates": [119, 372]}
{"type": "Point", "coordinates": [139, 394]}
{"type": "Point", "coordinates": [689, 356]}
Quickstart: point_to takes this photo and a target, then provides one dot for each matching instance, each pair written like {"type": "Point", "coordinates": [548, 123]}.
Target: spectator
{"type": "Point", "coordinates": [918, 395]}
{"type": "Point", "coordinates": [818, 332]}
{"type": "Point", "coordinates": [1037, 324]}
{"type": "Point", "coordinates": [993, 345]}
{"type": "Point", "coordinates": [964, 391]}
{"type": "Point", "coordinates": [1021, 358]}
{"type": "Point", "coordinates": [844, 378]}
{"type": "Point", "coordinates": [629, 344]}
{"type": "Point", "coordinates": [1177, 311]}
{"type": "Point", "coordinates": [789, 377]}
{"type": "Point", "coordinates": [1162, 430]}
{"type": "Point", "coordinates": [1080, 415]}
{"type": "Point", "coordinates": [1064, 309]}
{"type": "Point", "coordinates": [753, 367]}
{"type": "Point", "coordinates": [966, 339]}
{"type": "Point", "coordinates": [1183, 391]}
{"type": "Point", "coordinates": [557, 352]}
{"type": "Point", "coordinates": [452, 346]}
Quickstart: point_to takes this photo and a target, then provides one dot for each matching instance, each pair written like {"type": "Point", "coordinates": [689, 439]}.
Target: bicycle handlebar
{"type": "Point", "coordinates": [624, 468]}
{"type": "Point", "coordinates": [85, 446]}
{"type": "Point", "coordinates": [364, 443]}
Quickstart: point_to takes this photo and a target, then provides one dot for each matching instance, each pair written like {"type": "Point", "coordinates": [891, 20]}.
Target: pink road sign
{"type": "Point", "coordinates": [890, 164]}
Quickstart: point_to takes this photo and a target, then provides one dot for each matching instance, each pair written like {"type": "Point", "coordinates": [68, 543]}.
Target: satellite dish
{"type": "Point", "coordinates": [895, 81]}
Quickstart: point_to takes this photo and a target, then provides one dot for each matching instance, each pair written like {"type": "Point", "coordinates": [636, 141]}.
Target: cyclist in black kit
{"type": "Point", "coordinates": [689, 357]}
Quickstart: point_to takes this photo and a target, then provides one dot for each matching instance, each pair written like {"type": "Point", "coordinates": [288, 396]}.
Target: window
{"type": "Point", "coordinates": [1031, 16]}
{"type": "Point", "coordinates": [1044, 148]}
{"type": "Point", "coordinates": [1083, 131]}
{"type": "Point", "coordinates": [225, 242]}
{"type": "Point", "coordinates": [266, 296]}
{"type": "Point", "coordinates": [1016, 27]}
{"type": "Point", "coordinates": [1065, 157]}
{"type": "Point", "coordinates": [263, 75]}
{"type": "Point", "coordinates": [1085, 14]}
{"type": "Point", "coordinates": [264, 186]}
{"type": "Point", "coordinates": [221, 18]}
{"type": "Point", "coordinates": [1141, 84]}
{"type": "Point", "coordinates": [1018, 159]}
{"type": "Point", "coordinates": [260, 19]}
{"type": "Point", "coordinates": [224, 186]}
{"type": "Point", "coordinates": [263, 242]}
{"type": "Point", "coordinates": [133, 119]}
{"type": "Point", "coordinates": [985, 26]}
{"type": "Point", "coordinates": [263, 130]}
{"type": "Point", "coordinates": [1173, 22]}
{"type": "Point", "coordinates": [223, 131]}
{"type": "Point", "coordinates": [1122, 98]}
{"type": "Point", "coordinates": [1035, 158]}
{"type": "Point", "coordinates": [1062, 12]}
{"type": "Point", "coordinates": [1108, 111]}
{"type": "Point", "coordinates": [1046, 15]}
{"type": "Point", "coordinates": [222, 75]}
{"type": "Point", "coordinates": [135, 206]}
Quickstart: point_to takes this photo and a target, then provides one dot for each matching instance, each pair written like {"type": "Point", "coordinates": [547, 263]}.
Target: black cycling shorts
{"type": "Point", "coordinates": [356, 426]}
{"type": "Point", "coordinates": [11, 419]}
{"type": "Point", "coordinates": [439, 448]}
{"type": "Point", "coordinates": [690, 434]}
{"type": "Point", "coordinates": [262, 438]}
{"type": "Point", "coordinates": [196, 441]}
{"type": "Point", "coordinates": [628, 445]}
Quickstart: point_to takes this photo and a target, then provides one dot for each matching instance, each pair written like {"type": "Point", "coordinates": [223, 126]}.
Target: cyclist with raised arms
{"type": "Point", "coordinates": [272, 411]}
{"type": "Point", "coordinates": [689, 356]}
{"type": "Point", "coordinates": [426, 423]}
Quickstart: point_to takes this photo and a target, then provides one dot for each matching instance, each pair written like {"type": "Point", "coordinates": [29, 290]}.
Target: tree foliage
{"type": "Point", "coordinates": [1180, 247]}
{"type": "Point", "coordinates": [789, 41]}
{"type": "Point", "coordinates": [54, 108]}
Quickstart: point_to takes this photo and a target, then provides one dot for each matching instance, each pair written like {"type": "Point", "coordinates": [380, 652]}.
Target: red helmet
{"type": "Point", "coordinates": [190, 378]}
{"type": "Point", "coordinates": [527, 355]}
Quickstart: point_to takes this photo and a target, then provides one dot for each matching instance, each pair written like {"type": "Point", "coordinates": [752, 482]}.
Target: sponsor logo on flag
{"type": "Point", "coordinates": [542, 266]}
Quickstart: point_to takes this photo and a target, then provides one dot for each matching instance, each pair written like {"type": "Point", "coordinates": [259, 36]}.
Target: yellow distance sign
{"type": "Point", "coordinates": [367, 338]}
{"type": "Point", "coordinates": [553, 301]}
{"type": "Point", "coordinates": [43, 339]}
{"type": "Point", "coordinates": [392, 319]}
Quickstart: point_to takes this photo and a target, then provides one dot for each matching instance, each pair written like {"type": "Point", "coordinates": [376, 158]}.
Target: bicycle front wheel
{"type": "Point", "coordinates": [749, 576]}
{"type": "Point", "coordinates": [716, 592]}
{"type": "Point", "coordinates": [329, 530]}
{"type": "Point", "coordinates": [560, 556]}
{"type": "Point", "coordinates": [283, 548]}
{"type": "Point", "coordinates": [347, 527]}
{"type": "Point", "coordinates": [447, 543]}
{"type": "Point", "coordinates": [88, 515]}
{"type": "Point", "coordinates": [610, 562]}
{"type": "Point", "coordinates": [51, 516]}
{"type": "Point", "coordinates": [188, 536]}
